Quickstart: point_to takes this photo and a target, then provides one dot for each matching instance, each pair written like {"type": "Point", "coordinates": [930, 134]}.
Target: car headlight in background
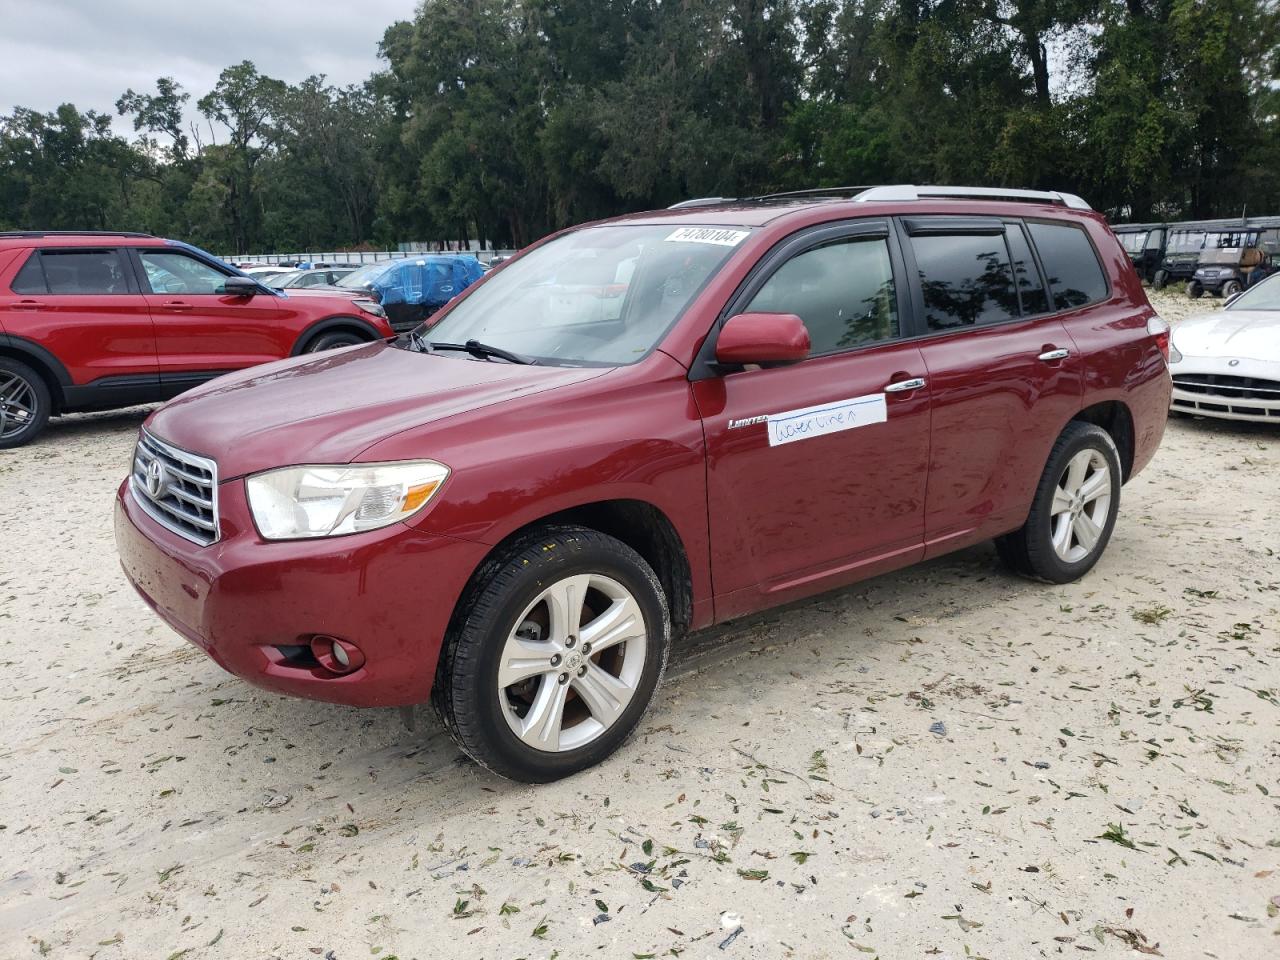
{"type": "Point", "coordinates": [371, 307]}
{"type": "Point", "coordinates": [297, 503]}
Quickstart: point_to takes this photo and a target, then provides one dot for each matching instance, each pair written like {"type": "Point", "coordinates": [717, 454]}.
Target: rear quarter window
{"type": "Point", "coordinates": [1070, 263]}
{"type": "Point", "coordinates": [30, 278]}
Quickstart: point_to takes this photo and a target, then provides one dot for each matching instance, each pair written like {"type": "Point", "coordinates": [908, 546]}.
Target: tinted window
{"type": "Point", "coordinates": [83, 271]}
{"type": "Point", "coordinates": [965, 279]}
{"type": "Point", "coordinates": [1075, 276]}
{"type": "Point", "coordinates": [178, 273]}
{"type": "Point", "coordinates": [1025, 271]}
{"type": "Point", "coordinates": [843, 292]}
{"type": "Point", "coordinates": [30, 278]}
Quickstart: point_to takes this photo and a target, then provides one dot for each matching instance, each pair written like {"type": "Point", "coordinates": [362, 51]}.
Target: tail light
{"type": "Point", "coordinates": [1161, 332]}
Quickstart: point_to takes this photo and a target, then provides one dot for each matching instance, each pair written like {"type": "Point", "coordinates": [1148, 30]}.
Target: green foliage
{"type": "Point", "coordinates": [501, 120]}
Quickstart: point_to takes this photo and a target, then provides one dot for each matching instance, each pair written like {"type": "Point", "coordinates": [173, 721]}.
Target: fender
{"type": "Point", "coordinates": [330, 323]}
{"type": "Point", "coordinates": [42, 357]}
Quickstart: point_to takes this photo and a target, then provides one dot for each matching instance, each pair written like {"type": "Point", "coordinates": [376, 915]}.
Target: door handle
{"type": "Point", "coordinates": [176, 305]}
{"type": "Point", "coordinates": [1050, 355]}
{"type": "Point", "coordinates": [903, 386]}
{"type": "Point", "coordinates": [28, 305]}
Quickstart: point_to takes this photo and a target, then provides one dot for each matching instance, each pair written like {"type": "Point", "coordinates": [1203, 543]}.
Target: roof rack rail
{"type": "Point", "coordinates": [75, 233]}
{"type": "Point", "coordinates": [809, 192]}
{"type": "Point", "coordinates": [907, 192]}
{"type": "Point", "coordinates": [701, 202]}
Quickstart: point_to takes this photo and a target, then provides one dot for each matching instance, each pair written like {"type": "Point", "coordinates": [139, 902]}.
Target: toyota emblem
{"type": "Point", "coordinates": [157, 480]}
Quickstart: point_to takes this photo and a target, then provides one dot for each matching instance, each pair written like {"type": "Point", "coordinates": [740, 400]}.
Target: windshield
{"type": "Point", "coordinates": [1134, 242]}
{"type": "Point", "coordinates": [362, 278]}
{"type": "Point", "coordinates": [1181, 241]}
{"type": "Point", "coordinates": [1262, 296]}
{"type": "Point", "coordinates": [284, 279]}
{"type": "Point", "coordinates": [600, 296]}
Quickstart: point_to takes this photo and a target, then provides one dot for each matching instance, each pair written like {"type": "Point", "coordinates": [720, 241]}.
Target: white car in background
{"type": "Point", "coordinates": [1227, 363]}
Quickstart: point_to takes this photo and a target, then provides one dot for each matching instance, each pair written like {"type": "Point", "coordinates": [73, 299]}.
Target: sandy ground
{"type": "Point", "coordinates": [945, 762]}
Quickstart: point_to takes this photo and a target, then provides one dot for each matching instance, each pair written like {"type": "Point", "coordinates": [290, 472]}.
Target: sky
{"type": "Point", "coordinates": [88, 52]}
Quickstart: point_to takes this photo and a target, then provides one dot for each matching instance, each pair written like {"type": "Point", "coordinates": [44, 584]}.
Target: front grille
{"type": "Point", "coordinates": [1222, 385]}
{"type": "Point", "coordinates": [185, 486]}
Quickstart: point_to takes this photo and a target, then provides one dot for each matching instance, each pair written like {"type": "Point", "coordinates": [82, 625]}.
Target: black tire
{"type": "Point", "coordinates": [1030, 550]}
{"type": "Point", "coordinates": [333, 340]}
{"type": "Point", "coordinates": [1160, 279]}
{"type": "Point", "coordinates": [1194, 290]}
{"type": "Point", "coordinates": [25, 403]}
{"type": "Point", "coordinates": [1231, 288]}
{"type": "Point", "coordinates": [466, 692]}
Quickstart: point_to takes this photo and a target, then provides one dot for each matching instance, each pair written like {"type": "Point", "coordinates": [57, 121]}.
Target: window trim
{"type": "Point", "coordinates": [705, 367]}
{"type": "Point", "coordinates": [38, 254]}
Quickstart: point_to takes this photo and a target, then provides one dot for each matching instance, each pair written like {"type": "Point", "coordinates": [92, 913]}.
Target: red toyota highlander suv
{"type": "Point", "coordinates": [92, 321]}
{"type": "Point", "coordinates": [642, 427]}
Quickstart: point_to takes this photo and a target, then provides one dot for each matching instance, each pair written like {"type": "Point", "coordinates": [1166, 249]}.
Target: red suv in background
{"type": "Point", "coordinates": [91, 321]}
{"type": "Point", "coordinates": [645, 426]}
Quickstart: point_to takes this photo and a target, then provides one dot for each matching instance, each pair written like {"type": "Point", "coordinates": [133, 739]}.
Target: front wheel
{"type": "Point", "coordinates": [25, 403]}
{"type": "Point", "coordinates": [1231, 288]}
{"type": "Point", "coordinates": [1194, 290]}
{"type": "Point", "coordinates": [554, 655]}
{"type": "Point", "coordinates": [1160, 279]}
{"type": "Point", "coordinates": [1074, 510]}
{"type": "Point", "coordinates": [334, 340]}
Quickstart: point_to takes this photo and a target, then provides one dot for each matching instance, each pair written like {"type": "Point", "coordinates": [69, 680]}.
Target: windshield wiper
{"type": "Point", "coordinates": [477, 349]}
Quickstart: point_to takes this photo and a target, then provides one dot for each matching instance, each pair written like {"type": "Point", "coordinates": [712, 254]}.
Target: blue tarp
{"type": "Point", "coordinates": [429, 280]}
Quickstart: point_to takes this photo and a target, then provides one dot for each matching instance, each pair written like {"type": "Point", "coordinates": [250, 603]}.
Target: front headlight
{"type": "Point", "coordinates": [371, 307]}
{"type": "Point", "coordinates": [295, 503]}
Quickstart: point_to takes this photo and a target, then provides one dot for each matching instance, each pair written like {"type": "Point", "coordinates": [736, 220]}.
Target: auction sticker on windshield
{"type": "Point", "coordinates": [793, 425]}
{"type": "Point", "coordinates": [724, 238]}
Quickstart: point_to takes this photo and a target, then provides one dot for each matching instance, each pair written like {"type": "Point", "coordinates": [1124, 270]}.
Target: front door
{"type": "Point", "coordinates": [200, 330]}
{"type": "Point", "coordinates": [816, 470]}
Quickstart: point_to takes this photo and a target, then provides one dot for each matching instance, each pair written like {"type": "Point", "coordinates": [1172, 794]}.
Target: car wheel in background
{"type": "Point", "coordinates": [1160, 279]}
{"type": "Point", "coordinates": [553, 655]}
{"type": "Point", "coordinates": [334, 340]}
{"type": "Point", "coordinates": [1194, 290]}
{"type": "Point", "coordinates": [1231, 288]}
{"type": "Point", "coordinates": [1074, 510]}
{"type": "Point", "coordinates": [25, 403]}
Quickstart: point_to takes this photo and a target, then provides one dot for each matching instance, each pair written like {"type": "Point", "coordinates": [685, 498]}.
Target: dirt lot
{"type": "Point", "coordinates": [945, 762]}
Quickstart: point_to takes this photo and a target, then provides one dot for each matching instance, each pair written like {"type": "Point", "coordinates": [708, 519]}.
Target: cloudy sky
{"type": "Point", "coordinates": [88, 52]}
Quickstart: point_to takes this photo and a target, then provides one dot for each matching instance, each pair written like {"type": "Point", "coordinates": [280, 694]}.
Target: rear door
{"type": "Point", "coordinates": [83, 305]}
{"type": "Point", "coordinates": [816, 470]}
{"type": "Point", "coordinates": [200, 330]}
{"type": "Point", "coordinates": [1003, 373]}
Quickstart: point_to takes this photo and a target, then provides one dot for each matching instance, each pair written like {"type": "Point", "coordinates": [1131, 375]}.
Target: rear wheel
{"type": "Point", "coordinates": [1231, 288]}
{"type": "Point", "coordinates": [554, 655]}
{"type": "Point", "coordinates": [1074, 510]}
{"type": "Point", "coordinates": [25, 403]}
{"type": "Point", "coordinates": [1194, 290]}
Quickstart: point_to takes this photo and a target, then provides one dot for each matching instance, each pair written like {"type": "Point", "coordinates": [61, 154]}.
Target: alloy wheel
{"type": "Point", "coordinates": [1081, 502]}
{"type": "Point", "coordinates": [573, 662]}
{"type": "Point", "coordinates": [17, 404]}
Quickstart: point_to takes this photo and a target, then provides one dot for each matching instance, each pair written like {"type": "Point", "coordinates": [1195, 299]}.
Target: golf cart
{"type": "Point", "coordinates": [1144, 242]}
{"type": "Point", "coordinates": [1226, 270]}
{"type": "Point", "coordinates": [1182, 253]}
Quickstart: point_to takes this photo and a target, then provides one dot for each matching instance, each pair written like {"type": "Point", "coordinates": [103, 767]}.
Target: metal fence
{"type": "Point", "coordinates": [356, 256]}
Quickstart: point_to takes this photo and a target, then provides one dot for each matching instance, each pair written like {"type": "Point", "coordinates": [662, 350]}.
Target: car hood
{"type": "Point", "coordinates": [1246, 334]}
{"type": "Point", "coordinates": [327, 408]}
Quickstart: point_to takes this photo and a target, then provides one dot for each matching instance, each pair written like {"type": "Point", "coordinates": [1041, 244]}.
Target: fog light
{"type": "Point", "coordinates": [335, 655]}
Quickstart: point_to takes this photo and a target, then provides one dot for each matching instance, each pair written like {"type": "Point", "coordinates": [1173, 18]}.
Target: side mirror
{"type": "Point", "coordinates": [241, 287]}
{"type": "Point", "coordinates": [763, 338]}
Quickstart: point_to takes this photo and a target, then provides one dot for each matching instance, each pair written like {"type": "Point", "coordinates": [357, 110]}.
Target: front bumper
{"type": "Point", "coordinates": [391, 592]}
{"type": "Point", "coordinates": [1214, 387]}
